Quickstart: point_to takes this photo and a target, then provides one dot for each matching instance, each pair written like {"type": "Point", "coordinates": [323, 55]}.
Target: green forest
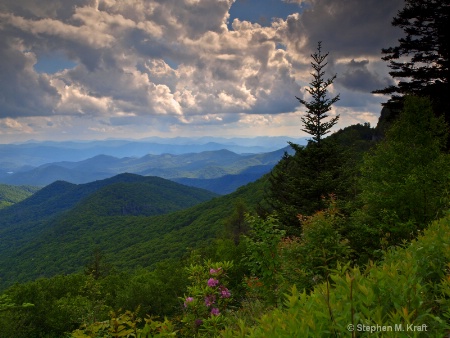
{"type": "Point", "coordinates": [10, 195]}
{"type": "Point", "coordinates": [348, 236]}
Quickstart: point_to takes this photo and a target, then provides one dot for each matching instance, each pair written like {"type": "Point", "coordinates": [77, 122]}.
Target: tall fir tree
{"type": "Point", "coordinates": [421, 60]}
{"type": "Point", "coordinates": [300, 183]}
{"type": "Point", "coordinates": [320, 104]}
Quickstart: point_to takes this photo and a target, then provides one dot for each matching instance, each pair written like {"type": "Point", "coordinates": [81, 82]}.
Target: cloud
{"type": "Point", "coordinates": [351, 27]}
{"type": "Point", "coordinates": [181, 63]}
{"type": "Point", "coordinates": [355, 75]}
{"type": "Point", "coordinates": [23, 92]}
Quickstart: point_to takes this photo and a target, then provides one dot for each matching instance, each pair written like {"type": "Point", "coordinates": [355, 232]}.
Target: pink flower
{"type": "Point", "coordinates": [212, 282]}
{"type": "Point", "coordinates": [187, 301]}
{"type": "Point", "coordinates": [214, 271]}
{"type": "Point", "coordinates": [215, 311]}
{"type": "Point", "coordinates": [225, 293]}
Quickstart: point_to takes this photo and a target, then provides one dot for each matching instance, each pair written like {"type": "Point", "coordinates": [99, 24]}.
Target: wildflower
{"type": "Point", "coordinates": [198, 322]}
{"type": "Point", "coordinates": [215, 311]}
{"type": "Point", "coordinates": [215, 271]}
{"type": "Point", "coordinates": [187, 301]}
{"type": "Point", "coordinates": [212, 282]}
{"type": "Point", "coordinates": [209, 300]}
{"type": "Point", "coordinates": [225, 293]}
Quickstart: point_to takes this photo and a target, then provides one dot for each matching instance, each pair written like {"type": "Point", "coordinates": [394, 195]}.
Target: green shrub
{"type": "Point", "coordinates": [207, 300]}
{"type": "Point", "coordinates": [408, 290]}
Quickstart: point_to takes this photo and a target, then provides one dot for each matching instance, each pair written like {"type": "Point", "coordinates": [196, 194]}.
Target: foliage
{"type": "Point", "coordinates": [421, 60]}
{"type": "Point", "coordinates": [408, 290]}
{"type": "Point", "coordinates": [9, 194]}
{"type": "Point", "coordinates": [300, 182]}
{"type": "Point", "coordinates": [126, 324]}
{"type": "Point", "coordinates": [320, 104]}
{"type": "Point", "coordinates": [60, 304]}
{"type": "Point", "coordinates": [405, 179]}
{"type": "Point", "coordinates": [262, 257]}
{"type": "Point", "coordinates": [403, 185]}
{"type": "Point", "coordinates": [356, 139]}
{"type": "Point", "coordinates": [309, 259]}
{"type": "Point", "coordinates": [154, 292]}
{"type": "Point", "coordinates": [235, 224]}
{"type": "Point", "coordinates": [62, 243]}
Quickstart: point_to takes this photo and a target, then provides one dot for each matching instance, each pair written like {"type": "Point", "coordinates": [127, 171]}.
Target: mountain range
{"type": "Point", "coordinates": [221, 171]}
{"type": "Point", "coordinates": [135, 220]}
{"type": "Point", "coordinates": [35, 153]}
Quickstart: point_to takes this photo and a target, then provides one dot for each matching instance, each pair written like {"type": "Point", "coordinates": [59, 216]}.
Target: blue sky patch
{"type": "Point", "coordinates": [262, 11]}
{"type": "Point", "coordinates": [53, 63]}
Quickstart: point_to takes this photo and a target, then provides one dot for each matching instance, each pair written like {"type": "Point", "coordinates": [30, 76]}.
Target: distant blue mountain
{"type": "Point", "coordinates": [34, 153]}
{"type": "Point", "coordinates": [221, 171]}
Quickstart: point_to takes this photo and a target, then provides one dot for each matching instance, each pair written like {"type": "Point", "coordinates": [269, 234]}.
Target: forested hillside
{"type": "Point", "coordinates": [56, 229]}
{"type": "Point", "coordinates": [10, 194]}
{"type": "Point", "coordinates": [127, 217]}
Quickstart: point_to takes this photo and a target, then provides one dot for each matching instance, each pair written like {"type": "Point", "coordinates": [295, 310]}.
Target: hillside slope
{"type": "Point", "coordinates": [45, 222]}
{"type": "Point", "coordinates": [10, 194]}
{"type": "Point", "coordinates": [64, 243]}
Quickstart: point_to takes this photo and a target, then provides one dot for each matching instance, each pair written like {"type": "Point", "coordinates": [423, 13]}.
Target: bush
{"type": "Point", "coordinates": [408, 290]}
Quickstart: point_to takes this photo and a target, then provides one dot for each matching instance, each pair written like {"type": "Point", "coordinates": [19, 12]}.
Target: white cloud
{"type": "Point", "coordinates": [175, 64]}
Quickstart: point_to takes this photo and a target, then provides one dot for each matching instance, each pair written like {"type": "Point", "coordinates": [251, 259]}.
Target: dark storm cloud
{"type": "Point", "coordinates": [351, 27]}
{"type": "Point", "coordinates": [22, 91]}
{"type": "Point", "coordinates": [356, 76]}
{"type": "Point", "coordinates": [32, 9]}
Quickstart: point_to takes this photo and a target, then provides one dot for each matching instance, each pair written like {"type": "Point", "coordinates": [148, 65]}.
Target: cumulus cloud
{"type": "Point", "coordinates": [176, 63]}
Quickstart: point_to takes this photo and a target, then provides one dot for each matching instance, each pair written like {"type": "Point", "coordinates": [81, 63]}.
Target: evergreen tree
{"type": "Point", "coordinates": [235, 224]}
{"type": "Point", "coordinates": [300, 183]}
{"type": "Point", "coordinates": [421, 60]}
{"type": "Point", "coordinates": [320, 105]}
{"type": "Point", "coordinates": [97, 268]}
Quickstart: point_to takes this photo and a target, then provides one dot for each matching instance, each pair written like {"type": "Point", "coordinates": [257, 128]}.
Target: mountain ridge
{"type": "Point", "coordinates": [217, 165]}
{"type": "Point", "coordinates": [62, 242]}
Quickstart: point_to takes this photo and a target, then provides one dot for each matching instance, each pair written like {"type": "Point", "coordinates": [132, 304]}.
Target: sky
{"type": "Point", "coordinates": [98, 69]}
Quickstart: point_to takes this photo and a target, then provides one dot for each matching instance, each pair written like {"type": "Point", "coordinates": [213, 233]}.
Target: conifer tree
{"type": "Point", "coordinates": [421, 60]}
{"type": "Point", "coordinates": [300, 183]}
{"type": "Point", "coordinates": [320, 104]}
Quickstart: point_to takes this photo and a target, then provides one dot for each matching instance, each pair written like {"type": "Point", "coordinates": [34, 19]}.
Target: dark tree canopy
{"type": "Point", "coordinates": [320, 104]}
{"type": "Point", "coordinates": [420, 62]}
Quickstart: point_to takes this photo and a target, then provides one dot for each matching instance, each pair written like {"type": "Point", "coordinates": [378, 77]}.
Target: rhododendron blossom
{"type": "Point", "coordinates": [215, 271]}
{"type": "Point", "coordinates": [225, 293]}
{"type": "Point", "coordinates": [188, 300]}
{"type": "Point", "coordinates": [212, 282]}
